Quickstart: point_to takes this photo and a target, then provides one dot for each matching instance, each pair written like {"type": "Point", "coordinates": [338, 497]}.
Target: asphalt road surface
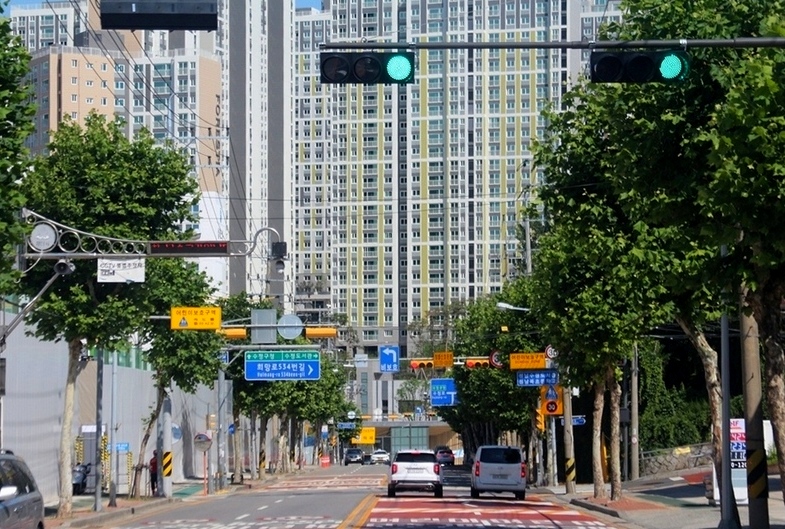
{"type": "Point", "coordinates": [354, 497]}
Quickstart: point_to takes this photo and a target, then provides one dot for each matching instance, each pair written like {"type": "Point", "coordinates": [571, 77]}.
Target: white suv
{"type": "Point", "coordinates": [415, 470]}
{"type": "Point", "coordinates": [499, 469]}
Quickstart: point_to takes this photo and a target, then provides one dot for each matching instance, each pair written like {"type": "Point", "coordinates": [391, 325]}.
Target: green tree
{"type": "Point", "coordinates": [96, 180]}
{"type": "Point", "coordinates": [16, 124]}
{"type": "Point", "coordinates": [181, 357]}
{"type": "Point", "coordinates": [489, 402]}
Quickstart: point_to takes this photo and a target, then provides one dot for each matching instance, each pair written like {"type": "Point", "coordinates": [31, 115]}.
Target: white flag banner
{"type": "Point", "coordinates": [121, 270]}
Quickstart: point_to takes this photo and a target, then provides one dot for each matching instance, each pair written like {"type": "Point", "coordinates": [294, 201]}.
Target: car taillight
{"type": "Point", "coordinates": [436, 468]}
{"type": "Point", "coordinates": [476, 468]}
{"type": "Point", "coordinates": [393, 468]}
{"type": "Point", "coordinates": [523, 470]}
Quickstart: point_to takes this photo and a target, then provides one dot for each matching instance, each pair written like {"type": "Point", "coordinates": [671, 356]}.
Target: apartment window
{"type": "Point", "coordinates": [74, 81]}
{"type": "Point", "coordinates": [74, 63]}
{"type": "Point", "coordinates": [74, 98]}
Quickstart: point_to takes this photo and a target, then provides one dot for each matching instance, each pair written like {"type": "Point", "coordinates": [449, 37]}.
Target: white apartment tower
{"type": "Point", "coordinates": [168, 82]}
{"type": "Point", "coordinates": [408, 198]}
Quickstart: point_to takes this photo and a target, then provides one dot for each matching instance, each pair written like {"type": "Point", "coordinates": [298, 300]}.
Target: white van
{"type": "Point", "coordinates": [499, 469]}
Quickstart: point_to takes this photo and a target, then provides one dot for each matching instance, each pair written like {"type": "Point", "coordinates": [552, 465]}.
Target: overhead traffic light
{"type": "Point", "coordinates": [661, 66]}
{"type": "Point", "coordinates": [421, 363]}
{"type": "Point", "coordinates": [481, 361]}
{"type": "Point", "coordinates": [367, 67]}
{"type": "Point", "coordinates": [232, 333]}
{"type": "Point", "coordinates": [320, 333]}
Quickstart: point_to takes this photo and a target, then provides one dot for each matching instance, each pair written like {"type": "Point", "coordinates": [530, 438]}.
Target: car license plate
{"type": "Point", "coordinates": [415, 470]}
{"type": "Point", "coordinates": [499, 476]}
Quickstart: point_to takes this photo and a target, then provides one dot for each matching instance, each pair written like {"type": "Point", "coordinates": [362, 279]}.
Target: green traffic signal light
{"type": "Point", "coordinates": [662, 66]}
{"type": "Point", "coordinates": [400, 67]}
{"type": "Point", "coordinates": [673, 66]}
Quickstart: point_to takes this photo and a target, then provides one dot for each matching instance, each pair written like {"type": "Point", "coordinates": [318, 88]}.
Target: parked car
{"type": "Point", "coordinates": [444, 455]}
{"type": "Point", "coordinates": [380, 456]}
{"type": "Point", "coordinates": [21, 503]}
{"type": "Point", "coordinates": [353, 455]}
{"type": "Point", "coordinates": [499, 469]}
{"type": "Point", "coordinates": [417, 471]}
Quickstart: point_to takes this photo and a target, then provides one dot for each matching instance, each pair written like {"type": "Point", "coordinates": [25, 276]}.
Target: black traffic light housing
{"type": "Point", "coordinates": [660, 66]}
{"type": "Point", "coordinates": [367, 67]}
{"type": "Point", "coordinates": [195, 15]}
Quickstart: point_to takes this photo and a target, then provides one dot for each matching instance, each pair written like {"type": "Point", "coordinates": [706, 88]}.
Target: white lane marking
{"type": "Point", "coordinates": [278, 501]}
{"type": "Point", "coordinates": [263, 507]}
{"type": "Point", "coordinates": [241, 517]}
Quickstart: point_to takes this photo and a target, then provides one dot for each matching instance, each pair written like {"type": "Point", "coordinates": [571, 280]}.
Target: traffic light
{"type": "Point", "coordinates": [662, 66]}
{"type": "Point", "coordinates": [320, 333]}
{"type": "Point", "coordinates": [540, 421]}
{"type": "Point", "coordinates": [482, 361]}
{"type": "Point", "coordinates": [367, 67]}
{"type": "Point", "coordinates": [232, 333]}
{"type": "Point", "coordinates": [421, 363]}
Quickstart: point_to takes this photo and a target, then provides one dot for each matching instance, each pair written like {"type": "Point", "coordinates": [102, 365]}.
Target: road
{"type": "Point", "coordinates": [354, 497]}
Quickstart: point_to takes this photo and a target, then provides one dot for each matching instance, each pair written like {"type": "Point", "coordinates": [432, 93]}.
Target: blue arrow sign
{"type": "Point", "coordinates": [443, 392]}
{"type": "Point", "coordinates": [534, 378]}
{"type": "Point", "coordinates": [282, 365]}
{"type": "Point", "coordinates": [389, 358]}
{"type": "Point", "coordinates": [578, 420]}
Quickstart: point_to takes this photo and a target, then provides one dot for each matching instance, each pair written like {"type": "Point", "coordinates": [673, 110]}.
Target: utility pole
{"type": "Point", "coordinates": [757, 468]}
{"type": "Point", "coordinates": [569, 445]}
{"type": "Point", "coordinates": [635, 451]}
{"type": "Point", "coordinates": [99, 396]}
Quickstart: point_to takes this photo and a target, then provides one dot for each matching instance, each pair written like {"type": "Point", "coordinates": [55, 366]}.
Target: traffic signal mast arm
{"type": "Point", "coordinates": [741, 42]}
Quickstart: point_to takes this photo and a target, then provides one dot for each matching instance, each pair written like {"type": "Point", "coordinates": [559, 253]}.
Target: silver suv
{"type": "Point", "coordinates": [415, 470]}
{"type": "Point", "coordinates": [21, 503]}
{"type": "Point", "coordinates": [499, 469]}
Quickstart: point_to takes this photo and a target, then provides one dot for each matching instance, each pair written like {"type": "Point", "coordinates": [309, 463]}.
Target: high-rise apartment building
{"type": "Point", "coordinates": [408, 198]}
{"type": "Point", "coordinates": [168, 82]}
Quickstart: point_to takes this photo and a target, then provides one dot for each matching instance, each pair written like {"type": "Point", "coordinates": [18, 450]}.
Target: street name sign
{"type": "Point", "coordinates": [282, 365]}
{"type": "Point", "coordinates": [345, 426]}
{"type": "Point", "coordinates": [443, 392]}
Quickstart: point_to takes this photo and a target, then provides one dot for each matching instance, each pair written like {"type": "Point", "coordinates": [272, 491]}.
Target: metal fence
{"type": "Point", "coordinates": [666, 460]}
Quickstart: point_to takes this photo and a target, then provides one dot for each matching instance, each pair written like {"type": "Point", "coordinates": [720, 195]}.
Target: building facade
{"type": "Point", "coordinates": [408, 198]}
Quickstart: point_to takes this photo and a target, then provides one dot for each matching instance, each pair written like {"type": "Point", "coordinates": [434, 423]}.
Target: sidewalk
{"type": "Point", "coordinates": [664, 502]}
{"type": "Point", "coordinates": [84, 515]}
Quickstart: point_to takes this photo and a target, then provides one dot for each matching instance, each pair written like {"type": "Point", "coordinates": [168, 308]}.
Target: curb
{"type": "Point", "coordinates": [594, 507]}
{"type": "Point", "coordinates": [125, 512]}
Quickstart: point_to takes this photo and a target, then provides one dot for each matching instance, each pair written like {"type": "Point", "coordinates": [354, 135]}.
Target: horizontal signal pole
{"type": "Point", "coordinates": [742, 42]}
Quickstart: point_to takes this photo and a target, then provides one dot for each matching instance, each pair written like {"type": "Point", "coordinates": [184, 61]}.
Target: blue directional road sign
{"type": "Point", "coordinates": [282, 365]}
{"type": "Point", "coordinates": [345, 426]}
{"type": "Point", "coordinates": [577, 420]}
{"type": "Point", "coordinates": [443, 392]}
{"type": "Point", "coordinates": [389, 358]}
{"type": "Point", "coordinates": [534, 378]}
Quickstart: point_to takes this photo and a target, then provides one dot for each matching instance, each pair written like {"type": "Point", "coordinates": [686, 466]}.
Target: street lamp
{"type": "Point", "coordinates": [506, 306]}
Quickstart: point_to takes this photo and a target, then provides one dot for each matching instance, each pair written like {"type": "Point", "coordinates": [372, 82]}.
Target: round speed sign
{"type": "Point", "coordinates": [496, 359]}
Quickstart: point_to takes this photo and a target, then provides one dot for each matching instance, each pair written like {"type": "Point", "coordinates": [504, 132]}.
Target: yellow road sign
{"type": "Point", "coordinates": [527, 360]}
{"type": "Point", "coordinates": [551, 400]}
{"type": "Point", "coordinates": [443, 359]}
{"type": "Point", "coordinates": [367, 436]}
{"type": "Point", "coordinates": [195, 318]}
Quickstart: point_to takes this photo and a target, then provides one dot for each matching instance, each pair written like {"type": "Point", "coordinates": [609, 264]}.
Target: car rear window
{"type": "Point", "coordinates": [445, 451]}
{"type": "Point", "coordinates": [500, 455]}
{"type": "Point", "coordinates": [354, 451]}
{"type": "Point", "coordinates": [408, 457]}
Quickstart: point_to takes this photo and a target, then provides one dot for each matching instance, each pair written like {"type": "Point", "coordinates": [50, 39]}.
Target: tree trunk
{"type": "Point", "coordinates": [596, 440]}
{"type": "Point", "coordinates": [767, 313]}
{"type": "Point", "coordinates": [65, 505]}
{"type": "Point", "coordinates": [263, 456]}
{"type": "Point", "coordinates": [253, 449]}
{"type": "Point", "coordinates": [711, 373]}
{"type": "Point", "coordinates": [615, 466]}
{"type": "Point", "coordinates": [151, 420]}
{"type": "Point", "coordinates": [238, 448]}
